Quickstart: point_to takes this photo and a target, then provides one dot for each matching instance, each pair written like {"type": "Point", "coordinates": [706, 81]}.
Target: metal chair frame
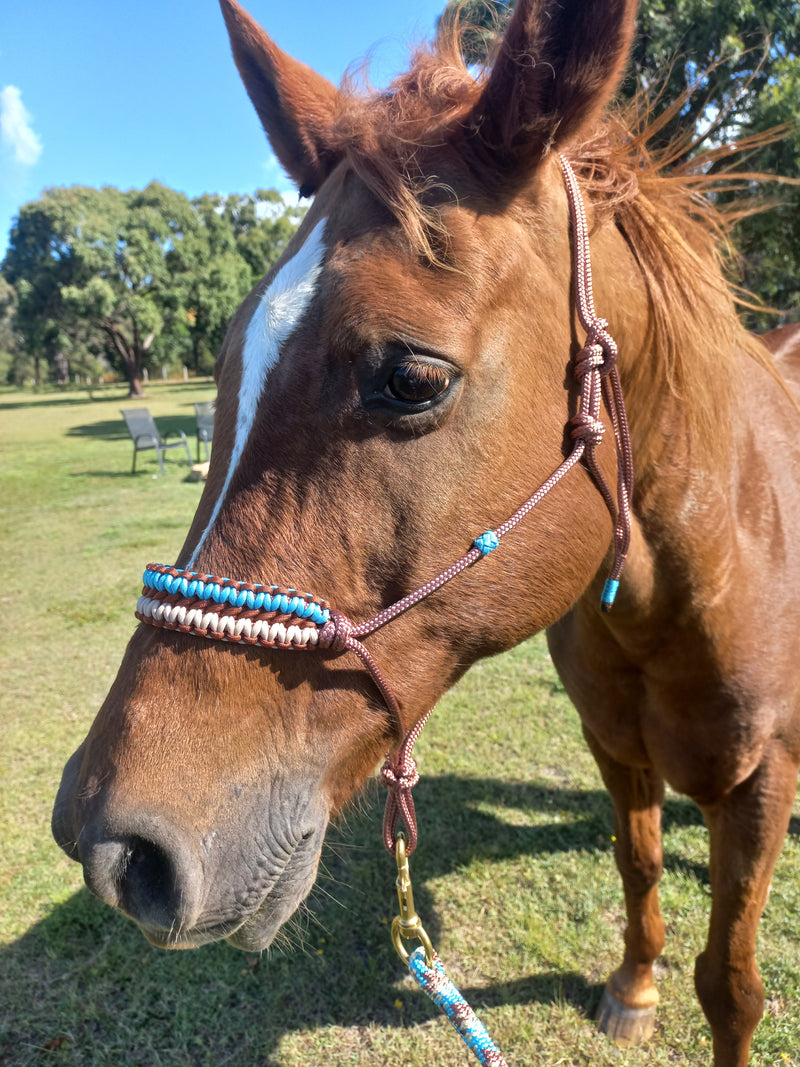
{"type": "Point", "coordinates": [204, 414]}
{"type": "Point", "coordinates": [142, 428]}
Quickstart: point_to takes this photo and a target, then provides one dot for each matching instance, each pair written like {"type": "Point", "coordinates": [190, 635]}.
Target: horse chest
{"type": "Point", "coordinates": [677, 707]}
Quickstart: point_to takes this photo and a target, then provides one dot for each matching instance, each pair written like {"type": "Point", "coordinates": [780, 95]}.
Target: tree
{"type": "Point", "coordinates": [238, 239]}
{"type": "Point", "coordinates": [143, 278]}
{"type": "Point", "coordinates": [89, 265]}
{"type": "Point", "coordinates": [8, 339]}
{"type": "Point", "coordinates": [262, 226]}
{"type": "Point", "coordinates": [36, 275]}
{"type": "Point", "coordinates": [479, 22]}
{"type": "Point", "coordinates": [736, 65]}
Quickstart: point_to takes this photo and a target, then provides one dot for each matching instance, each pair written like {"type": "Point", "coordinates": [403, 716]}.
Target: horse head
{"type": "Point", "coordinates": [399, 383]}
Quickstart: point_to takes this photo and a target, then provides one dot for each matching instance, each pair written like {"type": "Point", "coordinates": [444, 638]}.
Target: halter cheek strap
{"type": "Point", "coordinates": [225, 609]}
{"type": "Point", "coordinates": [599, 354]}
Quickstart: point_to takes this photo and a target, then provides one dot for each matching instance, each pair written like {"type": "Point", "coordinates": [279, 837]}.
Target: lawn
{"type": "Point", "coordinates": [514, 876]}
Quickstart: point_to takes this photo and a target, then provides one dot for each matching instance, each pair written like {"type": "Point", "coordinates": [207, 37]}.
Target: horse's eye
{"type": "Point", "coordinates": [417, 383]}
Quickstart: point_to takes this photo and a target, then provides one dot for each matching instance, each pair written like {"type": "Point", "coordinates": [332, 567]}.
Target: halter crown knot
{"type": "Point", "coordinates": [335, 634]}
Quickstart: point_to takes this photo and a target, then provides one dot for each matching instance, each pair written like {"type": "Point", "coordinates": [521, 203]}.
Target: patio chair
{"type": "Point", "coordinates": [204, 413]}
{"type": "Point", "coordinates": [142, 428]}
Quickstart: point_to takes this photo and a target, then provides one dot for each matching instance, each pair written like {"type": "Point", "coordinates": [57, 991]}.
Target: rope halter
{"type": "Point", "coordinates": [275, 617]}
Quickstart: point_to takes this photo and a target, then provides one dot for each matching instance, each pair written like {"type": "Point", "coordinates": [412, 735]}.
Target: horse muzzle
{"type": "Point", "coordinates": [185, 887]}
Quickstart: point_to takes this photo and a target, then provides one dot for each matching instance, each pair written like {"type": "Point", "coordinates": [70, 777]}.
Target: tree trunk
{"type": "Point", "coordinates": [133, 368]}
{"type": "Point", "coordinates": [131, 358]}
{"type": "Point", "coordinates": [136, 390]}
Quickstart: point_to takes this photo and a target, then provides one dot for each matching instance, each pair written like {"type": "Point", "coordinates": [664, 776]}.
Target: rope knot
{"type": "Point", "coordinates": [589, 358]}
{"type": "Point", "coordinates": [598, 336]}
{"type": "Point", "coordinates": [334, 635]}
{"type": "Point", "coordinates": [586, 428]}
{"type": "Point", "coordinates": [400, 775]}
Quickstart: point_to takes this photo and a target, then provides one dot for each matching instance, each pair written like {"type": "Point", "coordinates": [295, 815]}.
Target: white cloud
{"type": "Point", "coordinates": [16, 131]}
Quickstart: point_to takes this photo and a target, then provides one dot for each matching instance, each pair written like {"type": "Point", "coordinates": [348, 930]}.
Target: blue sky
{"type": "Point", "coordinates": [120, 94]}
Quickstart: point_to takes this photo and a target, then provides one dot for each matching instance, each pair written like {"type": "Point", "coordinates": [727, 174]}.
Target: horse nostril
{"type": "Point", "coordinates": [153, 878]}
{"type": "Point", "coordinates": [146, 879]}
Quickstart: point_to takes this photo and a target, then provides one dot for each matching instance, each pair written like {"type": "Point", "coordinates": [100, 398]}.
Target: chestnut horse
{"type": "Point", "coordinates": [784, 343]}
{"type": "Point", "coordinates": [401, 382]}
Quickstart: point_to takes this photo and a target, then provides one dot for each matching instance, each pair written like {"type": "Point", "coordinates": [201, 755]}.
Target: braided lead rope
{"type": "Point", "coordinates": [434, 981]}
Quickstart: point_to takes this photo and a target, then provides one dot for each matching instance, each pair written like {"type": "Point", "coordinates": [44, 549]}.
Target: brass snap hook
{"type": "Point", "coordinates": [407, 926]}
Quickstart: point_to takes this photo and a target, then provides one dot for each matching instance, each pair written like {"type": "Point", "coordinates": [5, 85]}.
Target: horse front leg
{"type": "Point", "coordinates": [628, 1008]}
{"type": "Point", "coordinates": [746, 830]}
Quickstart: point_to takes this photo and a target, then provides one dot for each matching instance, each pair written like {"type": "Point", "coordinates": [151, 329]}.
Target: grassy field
{"type": "Point", "coordinates": [514, 876]}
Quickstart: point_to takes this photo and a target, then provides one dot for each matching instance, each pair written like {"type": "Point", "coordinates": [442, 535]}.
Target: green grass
{"type": "Point", "coordinates": [514, 875]}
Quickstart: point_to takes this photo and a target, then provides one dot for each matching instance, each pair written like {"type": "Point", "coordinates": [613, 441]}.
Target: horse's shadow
{"type": "Point", "coordinates": [335, 967]}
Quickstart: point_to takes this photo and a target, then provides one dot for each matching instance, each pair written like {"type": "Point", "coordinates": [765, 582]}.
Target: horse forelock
{"type": "Point", "coordinates": [393, 139]}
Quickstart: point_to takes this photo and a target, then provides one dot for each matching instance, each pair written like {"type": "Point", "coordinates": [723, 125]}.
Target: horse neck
{"type": "Point", "coordinates": [686, 366]}
{"type": "Point", "coordinates": [682, 347]}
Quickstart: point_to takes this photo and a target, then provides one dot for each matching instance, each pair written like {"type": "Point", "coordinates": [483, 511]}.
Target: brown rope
{"type": "Point", "coordinates": [599, 343]}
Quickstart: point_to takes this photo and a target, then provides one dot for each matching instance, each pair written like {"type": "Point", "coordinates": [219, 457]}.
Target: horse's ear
{"type": "Point", "coordinates": [295, 104]}
{"type": "Point", "coordinates": [558, 65]}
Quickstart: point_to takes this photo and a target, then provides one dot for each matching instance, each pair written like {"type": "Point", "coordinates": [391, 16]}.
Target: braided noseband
{"type": "Point", "coordinates": [274, 617]}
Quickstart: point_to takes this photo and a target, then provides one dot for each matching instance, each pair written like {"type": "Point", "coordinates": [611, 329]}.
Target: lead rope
{"type": "Point", "coordinates": [272, 617]}
{"type": "Point", "coordinates": [428, 969]}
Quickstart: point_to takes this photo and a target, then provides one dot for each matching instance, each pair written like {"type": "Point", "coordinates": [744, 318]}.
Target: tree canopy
{"type": "Point", "coordinates": [137, 278]}
{"type": "Point", "coordinates": [140, 279]}
{"type": "Point", "coordinates": [736, 64]}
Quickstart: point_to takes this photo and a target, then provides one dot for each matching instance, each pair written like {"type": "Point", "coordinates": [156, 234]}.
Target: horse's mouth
{"type": "Point", "coordinates": [183, 891]}
{"type": "Point", "coordinates": [242, 937]}
{"type": "Point", "coordinates": [252, 930]}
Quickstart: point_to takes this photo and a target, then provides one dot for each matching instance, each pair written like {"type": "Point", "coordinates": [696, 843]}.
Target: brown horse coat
{"type": "Point", "coordinates": [394, 387]}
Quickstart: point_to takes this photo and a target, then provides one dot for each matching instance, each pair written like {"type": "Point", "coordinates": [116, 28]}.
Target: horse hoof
{"type": "Point", "coordinates": [625, 1026]}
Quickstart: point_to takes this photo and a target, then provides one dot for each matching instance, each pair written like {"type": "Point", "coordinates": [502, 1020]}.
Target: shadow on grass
{"type": "Point", "coordinates": [62, 400]}
{"type": "Point", "coordinates": [115, 430]}
{"type": "Point", "coordinates": [144, 471]}
{"type": "Point", "coordinates": [83, 986]}
{"type": "Point", "coordinates": [102, 394]}
{"type": "Point", "coordinates": [146, 467]}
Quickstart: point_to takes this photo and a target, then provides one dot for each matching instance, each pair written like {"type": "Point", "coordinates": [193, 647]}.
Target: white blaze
{"type": "Point", "coordinates": [279, 312]}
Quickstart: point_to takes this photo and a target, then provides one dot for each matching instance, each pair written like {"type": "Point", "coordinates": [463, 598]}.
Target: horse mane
{"type": "Point", "coordinates": [387, 136]}
{"type": "Point", "coordinates": [666, 204]}
{"type": "Point", "coordinates": [663, 202]}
